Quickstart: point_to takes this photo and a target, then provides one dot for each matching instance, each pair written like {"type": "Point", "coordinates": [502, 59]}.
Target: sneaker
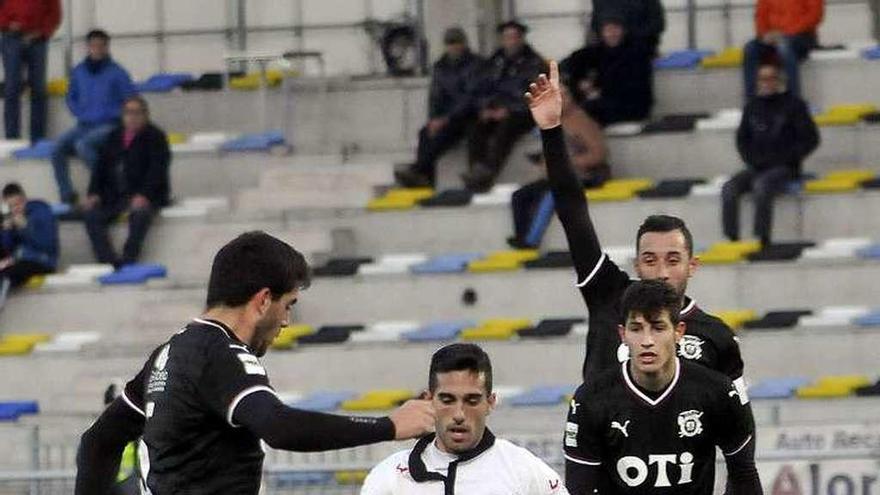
{"type": "Point", "coordinates": [517, 243]}
{"type": "Point", "coordinates": [409, 177]}
{"type": "Point", "coordinates": [478, 179]}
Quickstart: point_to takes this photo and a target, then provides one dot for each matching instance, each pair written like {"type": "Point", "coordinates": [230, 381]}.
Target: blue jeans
{"type": "Point", "coordinates": [85, 141]}
{"type": "Point", "coordinates": [791, 50]}
{"type": "Point", "coordinates": [18, 55]}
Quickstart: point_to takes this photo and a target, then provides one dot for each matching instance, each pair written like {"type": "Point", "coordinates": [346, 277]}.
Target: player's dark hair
{"type": "Point", "coordinates": [98, 34]}
{"type": "Point", "coordinates": [666, 223]}
{"type": "Point", "coordinates": [12, 189]}
{"type": "Point", "coordinates": [252, 262]}
{"type": "Point", "coordinates": [650, 298]}
{"type": "Point", "coordinates": [460, 357]}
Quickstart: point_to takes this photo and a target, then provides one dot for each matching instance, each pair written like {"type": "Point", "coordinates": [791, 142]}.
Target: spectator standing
{"type": "Point", "coordinates": [785, 29]}
{"type": "Point", "coordinates": [28, 241]}
{"type": "Point", "coordinates": [131, 177]}
{"type": "Point", "coordinates": [644, 20]}
{"type": "Point", "coordinates": [775, 135]}
{"type": "Point", "coordinates": [98, 88]}
{"type": "Point", "coordinates": [503, 115]}
{"type": "Point", "coordinates": [612, 80]}
{"type": "Point", "coordinates": [451, 107]}
{"type": "Point", "coordinates": [27, 26]}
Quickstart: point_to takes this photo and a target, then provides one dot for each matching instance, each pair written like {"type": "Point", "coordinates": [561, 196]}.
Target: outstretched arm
{"type": "Point", "coordinates": [545, 102]}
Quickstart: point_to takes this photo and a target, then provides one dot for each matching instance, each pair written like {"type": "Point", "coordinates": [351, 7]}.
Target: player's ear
{"type": "Point", "coordinates": [693, 265]}
{"type": "Point", "coordinates": [620, 331]}
{"type": "Point", "coordinates": [264, 300]}
{"type": "Point", "coordinates": [493, 401]}
{"type": "Point", "coordinates": [680, 329]}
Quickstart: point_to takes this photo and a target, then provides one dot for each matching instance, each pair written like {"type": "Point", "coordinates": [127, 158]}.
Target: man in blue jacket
{"type": "Point", "coordinates": [98, 88]}
{"type": "Point", "coordinates": [28, 241]}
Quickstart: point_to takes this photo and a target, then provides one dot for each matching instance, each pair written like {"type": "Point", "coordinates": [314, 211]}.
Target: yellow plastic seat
{"type": "Point", "coordinates": [833, 386]}
{"type": "Point", "coordinates": [28, 338]}
{"type": "Point", "coordinates": [414, 194]}
{"type": "Point", "coordinates": [634, 184]}
{"type": "Point", "coordinates": [35, 282]}
{"type": "Point", "coordinates": [735, 319]}
{"type": "Point", "coordinates": [729, 57]}
{"type": "Point", "coordinates": [856, 175]}
{"type": "Point", "coordinates": [288, 336]}
{"type": "Point", "coordinates": [247, 82]}
{"type": "Point", "coordinates": [604, 194]}
{"type": "Point", "coordinates": [390, 204]}
{"type": "Point", "coordinates": [515, 323]}
{"type": "Point", "coordinates": [490, 265]}
{"type": "Point", "coordinates": [836, 119]}
{"type": "Point", "coordinates": [378, 400]}
{"type": "Point", "coordinates": [15, 348]}
{"type": "Point", "coordinates": [853, 381]}
{"type": "Point", "coordinates": [826, 186]}
{"type": "Point", "coordinates": [858, 109]}
{"type": "Point", "coordinates": [176, 138]}
{"type": "Point", "coordinates": [495, 329]}
{"type": "Point", "coordinates": [57, 87]}
{"type": "Point", "coordinates": [350, 477]}
{"type": "Point", "coordinates": [521, 255]}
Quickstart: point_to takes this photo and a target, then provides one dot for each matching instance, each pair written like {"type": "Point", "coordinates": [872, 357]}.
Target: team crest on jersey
{"type": "Point", "coordinates": [689, 424]}
{"type": "Point", "coordinates": [690, 347]}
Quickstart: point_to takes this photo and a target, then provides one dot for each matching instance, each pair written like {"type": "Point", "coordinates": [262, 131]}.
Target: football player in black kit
{"type": "Point", "coordinates": [665, 251]}
{"type": "Point", "coordinates": [651, 425]}
{"type": "Point", "coordinates": [202, 402]}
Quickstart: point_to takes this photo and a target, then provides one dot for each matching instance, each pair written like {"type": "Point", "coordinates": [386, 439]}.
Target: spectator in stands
{"type": "Point", "coordinates": [451, 108]}
{"type": "Point", "coordinates": [98, 88]}
{"type": "Point", "coordinates": [131, 177]}
{"type": "Point", "coordinates": [503, 116]}
{"type": "Point", "coordinates": [644, 20]}
{"type": "Point", "coordinates": [613, 80]}
{"type": "Point", "coordinates": [588, 151]}
{"type": "Point", "coordinates": [785, 29]}
{"type": "Point", "coordinates": [776, 134]}
{"type": "Point", "coordinates": [28, 241]}
{"type": "Point", "coordinates": [27, 26]}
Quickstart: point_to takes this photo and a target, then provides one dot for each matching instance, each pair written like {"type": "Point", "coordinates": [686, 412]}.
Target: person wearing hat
{"type": "Point", "coordinates": [644, 20]}
{"type": "Point", "coordinates": [613, 80]}
{"type": "Point", "coordinates": [503, 116]}
{"type": "Point", "coordinates": [451, 108]}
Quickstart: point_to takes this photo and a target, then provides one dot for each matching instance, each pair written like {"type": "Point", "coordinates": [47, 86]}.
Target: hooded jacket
{"type": "Point", "coordinates": [776, 131]}
{"type": "Point", "coordinates": [453, 84]}
{"type": "Point", "coordinates": [38, 241]}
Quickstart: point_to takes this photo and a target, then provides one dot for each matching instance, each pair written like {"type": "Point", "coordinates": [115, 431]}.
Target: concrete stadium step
{"type": "Point", "coordinates": [533, 293]}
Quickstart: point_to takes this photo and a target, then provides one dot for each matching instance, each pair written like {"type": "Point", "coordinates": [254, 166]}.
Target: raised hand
{"type": "Point", "coordinates": [545, 99]}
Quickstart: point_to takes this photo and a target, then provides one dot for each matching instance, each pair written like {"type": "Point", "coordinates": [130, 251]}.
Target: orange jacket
{"type": "Point", "coordinates": [32, 16]}
{"type": "Point", "coordinates": [789, 16]}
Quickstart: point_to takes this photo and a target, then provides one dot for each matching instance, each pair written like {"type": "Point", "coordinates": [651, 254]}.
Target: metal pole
{"type": "Point", "coordinates": [35, 459]}
{"type": "Point", "coordinates": [68, 37]}
{"type": "Point", "coordinates": [692, 24]}
{"type": "Point", "coordinates": [160, 38]}
{"type": "Point", "coordinates": [421, 48]}
{"type": "Point", "coordinates": [728, 23]}
{"type": "Point", "coordinates": [241, 25]}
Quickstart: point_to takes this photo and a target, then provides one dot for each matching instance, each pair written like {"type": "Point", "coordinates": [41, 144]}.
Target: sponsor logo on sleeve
{"type": "Point", "coordinates": [251, 365]}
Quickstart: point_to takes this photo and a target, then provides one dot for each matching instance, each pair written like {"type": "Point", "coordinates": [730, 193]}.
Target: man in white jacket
{"type": "Point", "coordinates": [463, 457]}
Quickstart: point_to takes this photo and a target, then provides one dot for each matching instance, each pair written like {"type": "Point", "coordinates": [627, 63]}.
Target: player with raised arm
{"type": "Point", "coordinates": [464, 457]}
{"type": "Point", "coordinates": [651, 425]}
{"type": "Point", "coordinates": [203, 402]}
{"type": "Point", "coordinates": [665, 251]}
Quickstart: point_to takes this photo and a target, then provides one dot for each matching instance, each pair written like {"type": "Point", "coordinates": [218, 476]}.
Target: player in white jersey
{"type": "Point", "coordinates": [463, 457]}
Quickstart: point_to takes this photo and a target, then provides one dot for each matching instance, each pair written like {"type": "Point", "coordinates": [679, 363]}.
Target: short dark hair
{"type": "Point", "coordinates": [522, 28]}
{"type": "Point", "coordinates": [460, 357]}
{"type": "Point", "coordinates": [140, 100]}
{"type": "Point", "coordinates": [666, 223]}
{"type": "Point", "coordinates": [97, 34]}
{"type": "Point", "coordinates": [12, 189]}
{"type": "Point", "coordinates": [650, 298]}
{"type": "Point", "coordinates": [252, 262]}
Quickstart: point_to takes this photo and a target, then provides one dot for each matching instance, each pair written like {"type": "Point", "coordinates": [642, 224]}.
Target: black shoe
{"type": "Point", "coordinates": [409, 177]}
{"type": "Point", "coordinates": [517, 243]}
{"type": "Point", "coordinates": [479, 179]}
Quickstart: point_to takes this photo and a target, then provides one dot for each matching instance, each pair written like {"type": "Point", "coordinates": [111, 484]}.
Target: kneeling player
{"type": "Point", "coordinates": [651, 426]}
{"type": "Point", "coordinates": [463, 457]}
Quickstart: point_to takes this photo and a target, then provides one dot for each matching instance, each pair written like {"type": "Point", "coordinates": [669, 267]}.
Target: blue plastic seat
{"type": "Point", "coordinates": [777, 388]}
{"type": "Point", "coordinates": [261, 141]}
{"type": "Point", "coordinates": [12, 410]}
{"type": "Point", "coordinates": [439, 331]}
{"type": "Point", "coordinates": [447, 263]}
{"type": "Point", "coordinates": [42, 150]}
{"type": "Point", "coordinates": [870, 252]}
{"type": "Point", "coordinates": [682, 59]}
{"type": "Point", "coordinates": [869, 320]}
{"type": "Point", "coordinates": [323, 401]}
{"type": "Point", "coordinates": [134, 274]}
{"type": "Point", "coordinates": [302, 478]}
{"type": "Point", "coordinates": [163, 83]}
{"type": "Point", "coordinates": [872, 53]}
{"type": "Point", "coordinates": [542, 396]}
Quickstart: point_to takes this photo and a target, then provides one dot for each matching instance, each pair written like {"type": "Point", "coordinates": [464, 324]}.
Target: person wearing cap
{"type": "Point", "coordinates": [644, 20]}
{"type": "Point", "coordinates": [613, 80]}
{"type": "Point", "coordinates": [503, 116]}
{"type": "Point", "coordinates": [451, 108]}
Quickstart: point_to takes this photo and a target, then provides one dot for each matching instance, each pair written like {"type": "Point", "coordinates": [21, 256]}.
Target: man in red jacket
{"type": "Point", "coordinates": [27, 26]}
{"type": "Point", "coordinates": [786, 28]}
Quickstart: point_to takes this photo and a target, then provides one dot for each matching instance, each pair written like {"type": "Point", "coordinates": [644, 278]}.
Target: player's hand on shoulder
{"type": "Point", "coordinates": [415, 418]}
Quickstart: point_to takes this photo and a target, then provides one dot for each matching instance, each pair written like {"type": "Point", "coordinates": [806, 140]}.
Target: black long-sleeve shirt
{"type": "Point", "coordinates": [776, 131]}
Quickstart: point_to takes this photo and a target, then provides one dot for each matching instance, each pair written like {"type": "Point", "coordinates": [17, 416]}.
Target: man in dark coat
{"type": "Point", "coordinates": [644, 20]}
{"type": "Point", "coordinates": [503, 114]}
{"type": "Point", "coordinates": [131, 177]}
{"type": "Point", "coordinates": [451, 108]}
{"type": "Point", "coordinates": [775, 135]}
